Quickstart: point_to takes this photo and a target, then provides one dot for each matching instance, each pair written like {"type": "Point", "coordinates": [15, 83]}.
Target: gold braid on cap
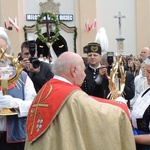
{"type": "Point", "coordinates": [4, 83]}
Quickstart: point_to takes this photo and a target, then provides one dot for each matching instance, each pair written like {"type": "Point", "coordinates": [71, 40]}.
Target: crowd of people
{"type": "Point", "coordinates": [136, 89]}
{"type": "Point", "coordinates": [67, 105]}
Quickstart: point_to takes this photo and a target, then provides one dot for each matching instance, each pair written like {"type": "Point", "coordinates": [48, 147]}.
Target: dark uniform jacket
{"type": "Point", "coordinates": [89, 85]}
{"type": "Point", "coordinates": [102, 90]}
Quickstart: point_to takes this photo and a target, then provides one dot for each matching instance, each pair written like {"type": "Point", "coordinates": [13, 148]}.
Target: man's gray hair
{"type": "Point", "coordinates": [63, 63]}
{"type": "Point", "coordinates": [4, 36]}
{"type": "Point", "coordinates": [60, 67]}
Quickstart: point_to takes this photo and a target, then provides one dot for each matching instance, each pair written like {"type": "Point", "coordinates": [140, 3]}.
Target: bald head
{"type": "Point", "coordinates": [145, 53]}
{"type": "Point", "coordinates": [70, 66]}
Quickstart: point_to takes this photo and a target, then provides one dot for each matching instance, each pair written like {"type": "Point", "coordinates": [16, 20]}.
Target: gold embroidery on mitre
{"type": "Point", "coordinates": [94, 48]}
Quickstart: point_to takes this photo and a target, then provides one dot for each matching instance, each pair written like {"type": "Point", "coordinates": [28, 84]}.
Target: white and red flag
{"type": "Point", "coordinates": [89, 26]}
{"type": "Point", "coordinates": [14, 23]}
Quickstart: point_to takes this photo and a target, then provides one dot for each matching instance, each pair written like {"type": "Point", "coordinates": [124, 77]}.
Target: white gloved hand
{"type": "Point", "coordinates": [120, 99]}
{"type": "Point", "coordinates": [7, 101]}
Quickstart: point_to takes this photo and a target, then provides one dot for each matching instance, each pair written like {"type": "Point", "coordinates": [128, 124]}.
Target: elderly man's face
{"type": "Point", "coordinates": [145, 53]}
{"type": "Point", "coordinates": [3, 60]}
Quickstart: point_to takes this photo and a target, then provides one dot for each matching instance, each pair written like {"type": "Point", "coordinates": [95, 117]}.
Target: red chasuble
{"type": "Point", "coordinates": [47, 105]}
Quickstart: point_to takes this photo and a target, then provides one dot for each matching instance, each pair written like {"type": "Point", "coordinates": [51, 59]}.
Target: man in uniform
{"type": "Point", "coordinates": [91, 85]}
{"type": "Point", "coordinates": [96, 81]}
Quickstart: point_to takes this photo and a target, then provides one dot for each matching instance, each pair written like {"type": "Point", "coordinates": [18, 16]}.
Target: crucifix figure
{"type": "Point", "coordinates": [119, 16]}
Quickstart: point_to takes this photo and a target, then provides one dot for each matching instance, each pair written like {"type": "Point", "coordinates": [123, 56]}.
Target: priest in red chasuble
{"type": "Point", "coordinates": [63, 117]}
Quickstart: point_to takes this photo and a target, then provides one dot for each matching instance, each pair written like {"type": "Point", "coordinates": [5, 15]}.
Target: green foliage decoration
{"type": "Point", "coordinates": [61, 23]}
{"type": "Point", "coordinates": [53, 17]}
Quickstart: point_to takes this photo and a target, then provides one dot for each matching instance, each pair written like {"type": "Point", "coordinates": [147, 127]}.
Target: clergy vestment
{"type": "Point", "coordinates": [63, 117]}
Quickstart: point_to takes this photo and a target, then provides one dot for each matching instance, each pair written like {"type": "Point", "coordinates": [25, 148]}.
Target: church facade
{"type": "Point", "coordinates": [80, 22]}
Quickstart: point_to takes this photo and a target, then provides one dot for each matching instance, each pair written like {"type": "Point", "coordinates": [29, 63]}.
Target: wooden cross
{"type": "Point", "coordinates": [47, 22]}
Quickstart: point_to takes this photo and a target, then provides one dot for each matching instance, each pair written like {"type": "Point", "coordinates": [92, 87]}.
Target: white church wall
{"type": "Point", "coordinates": [33, 7]}
{"type": "Point", "coordinates": [106, 10]}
